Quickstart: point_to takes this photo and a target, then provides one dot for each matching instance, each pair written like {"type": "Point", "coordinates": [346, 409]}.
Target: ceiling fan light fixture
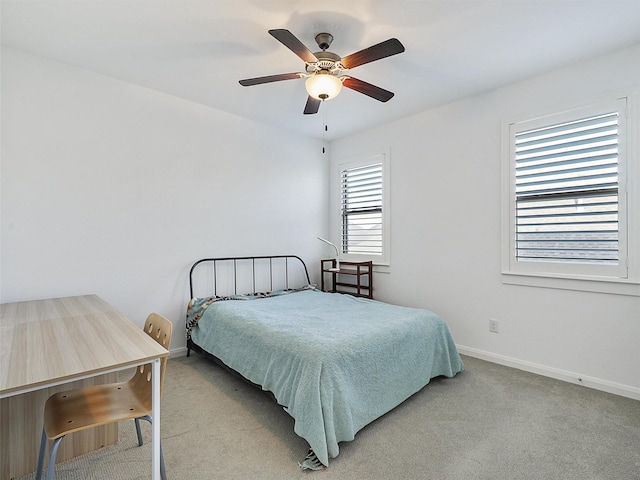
{"type": "Point", "coordinates": [323, 85]}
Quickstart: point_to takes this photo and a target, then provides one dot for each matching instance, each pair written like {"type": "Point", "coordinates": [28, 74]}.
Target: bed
{"type": "Point", "coordinates": [333, 361]}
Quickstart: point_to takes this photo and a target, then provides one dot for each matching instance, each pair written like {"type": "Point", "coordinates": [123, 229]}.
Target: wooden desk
{"type": "Point", "coordinates": [47, 343]}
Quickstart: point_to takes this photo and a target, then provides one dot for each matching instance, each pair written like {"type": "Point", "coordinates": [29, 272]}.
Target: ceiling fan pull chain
{"type": "Point", "coordinates": [324, 127]}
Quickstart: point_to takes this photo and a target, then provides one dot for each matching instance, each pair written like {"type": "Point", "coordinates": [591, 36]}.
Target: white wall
{"type": "Point", "coordinates": [446, 234]}
{"type": "Point", "coordinates": [113, 189]}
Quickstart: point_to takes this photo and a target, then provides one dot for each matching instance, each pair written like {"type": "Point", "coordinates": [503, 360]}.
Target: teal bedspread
{"type": "Point", "coordinates": [335, 362]}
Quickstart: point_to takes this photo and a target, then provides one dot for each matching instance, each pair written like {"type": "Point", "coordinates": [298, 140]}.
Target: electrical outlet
{"type": "Point", "coordinates": [494, 325]}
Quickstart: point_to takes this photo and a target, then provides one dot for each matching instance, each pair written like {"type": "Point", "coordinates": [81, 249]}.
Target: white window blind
{"type": "Point", "coordinates": [566, 191]}
{"type": "Point", "coordinates": [361, 199]}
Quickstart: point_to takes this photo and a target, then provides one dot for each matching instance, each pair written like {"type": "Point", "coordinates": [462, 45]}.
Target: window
{"type": "Point", "coordinates": [363, 209]}
{"type": "Point", "coordinates": [568, 209]}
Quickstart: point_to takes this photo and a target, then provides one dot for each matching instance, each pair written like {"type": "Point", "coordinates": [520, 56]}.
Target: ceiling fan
{"type": "Point", "coordinates": [324, 69]}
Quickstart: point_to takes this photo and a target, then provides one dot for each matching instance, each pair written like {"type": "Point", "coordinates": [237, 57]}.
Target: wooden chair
{"type": "Point", "coordinates": [88, 407]}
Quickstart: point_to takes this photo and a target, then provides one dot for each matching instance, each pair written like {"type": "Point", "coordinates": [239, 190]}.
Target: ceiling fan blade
{"type": "Point", "coordinates": [290, 41]}
{"type": "Point", "coordinates": [373, 53]}
{"type": "Point", "coordinates": [270, 78]}
{"type": "Point", "coordinates": [368, 89]}
{"type": "Point", "coordinates": [312, 106]}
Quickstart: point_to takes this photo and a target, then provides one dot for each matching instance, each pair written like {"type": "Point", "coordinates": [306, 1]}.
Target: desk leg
{"type": "Point", "coordinates": [155, 425]}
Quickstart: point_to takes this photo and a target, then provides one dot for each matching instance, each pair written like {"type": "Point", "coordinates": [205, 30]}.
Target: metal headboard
{"type": "Point", "coordinates": [232, 264]}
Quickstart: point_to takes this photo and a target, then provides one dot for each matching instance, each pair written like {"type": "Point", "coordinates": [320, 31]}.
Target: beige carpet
{"type": "Point", "coordinates": [490, 422]}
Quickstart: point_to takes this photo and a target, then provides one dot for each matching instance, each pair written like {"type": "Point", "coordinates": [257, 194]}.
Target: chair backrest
{"type": "Point", "coordinates": [160, 329]}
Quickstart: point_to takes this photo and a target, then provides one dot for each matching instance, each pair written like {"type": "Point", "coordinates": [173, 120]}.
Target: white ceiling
{"type": "Point", "coordinates": [198, 50]}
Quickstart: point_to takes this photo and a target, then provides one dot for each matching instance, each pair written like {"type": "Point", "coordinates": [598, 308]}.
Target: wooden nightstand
{"type": "Point", "coordinates": [361, 274]}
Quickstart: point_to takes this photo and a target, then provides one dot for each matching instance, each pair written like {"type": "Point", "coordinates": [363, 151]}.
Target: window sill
{"type": "Point", "coordinates": [612, 287]}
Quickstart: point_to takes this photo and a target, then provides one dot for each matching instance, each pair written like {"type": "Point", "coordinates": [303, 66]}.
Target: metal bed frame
{"type": "Point", "coordinates": [235, 260]}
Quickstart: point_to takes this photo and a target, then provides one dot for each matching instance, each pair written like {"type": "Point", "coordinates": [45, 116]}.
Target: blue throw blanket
{"type": "Point", "coordinates": [335, 362]}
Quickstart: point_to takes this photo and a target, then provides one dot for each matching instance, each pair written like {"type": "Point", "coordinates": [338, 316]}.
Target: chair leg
{"type": "Point", "coordinates": [43, 447]}
{"type": "Point", "coordinates": [137, 420]}
{"type": "Point", "coordinates": [163, 471]}
{"type": "Point", "coordinates": [51, 469]}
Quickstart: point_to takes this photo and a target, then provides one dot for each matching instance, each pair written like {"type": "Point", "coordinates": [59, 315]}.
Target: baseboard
{"type": "Point", "coordinates": [571, 377]}
{"type": "Point", "coordinates": [178, 352]}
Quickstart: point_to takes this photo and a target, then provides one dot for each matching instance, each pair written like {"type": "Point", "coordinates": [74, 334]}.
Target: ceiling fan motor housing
{"type": "Point", "coordinates": [326, 61]}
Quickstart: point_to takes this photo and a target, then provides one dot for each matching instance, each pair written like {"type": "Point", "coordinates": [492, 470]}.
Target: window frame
{"type": "Point", "coordinates": [382, 157]}
{"type": "Point", "coordinates": [623, 278]}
